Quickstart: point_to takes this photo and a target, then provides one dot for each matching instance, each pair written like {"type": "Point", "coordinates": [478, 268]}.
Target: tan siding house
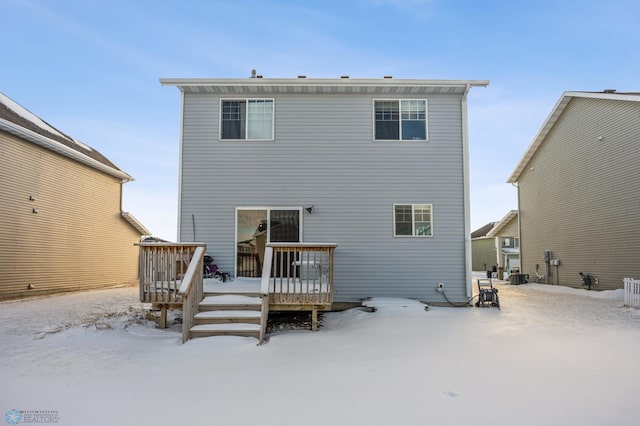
{"type": "Point", "coordinates": [578, 192]}
{"type": "Point", "coordinates": [61, 224]}
{"type": "Point", "coordinates": [495, 245]}
{"type": "Point", "coordinates": [505, 235]}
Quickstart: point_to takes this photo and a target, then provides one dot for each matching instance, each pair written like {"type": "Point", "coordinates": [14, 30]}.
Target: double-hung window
{"type": "Point", "coordinates": [412, 220]}
{"type": "Point", "coordinates": [404, 120]}
{"type": "Point", "coordinates": [247, 119]}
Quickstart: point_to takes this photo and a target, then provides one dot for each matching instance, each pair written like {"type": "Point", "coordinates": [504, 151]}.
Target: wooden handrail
{"type": "Point", "coordinates": [171, 276]}
{"type": "Point", "coordinates": [266, 270]}
{"type": "Point", "coordinates": [192, 291]}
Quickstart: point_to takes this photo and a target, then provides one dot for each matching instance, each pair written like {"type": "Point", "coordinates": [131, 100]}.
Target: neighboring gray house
{"type": "Point", "coordinates": [579, 192]}
{"type": "Point", "coordinates": [378, 166]}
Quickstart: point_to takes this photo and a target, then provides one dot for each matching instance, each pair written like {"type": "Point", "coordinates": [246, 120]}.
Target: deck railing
{"type": "Point", "coordinates": [162, 268]}
{"type": "Point", "coordinates": [191, 291]}
{"type": "Point", "coordinates": [300, 273]}
{"type": "Point", "coordinates": [632, 293]}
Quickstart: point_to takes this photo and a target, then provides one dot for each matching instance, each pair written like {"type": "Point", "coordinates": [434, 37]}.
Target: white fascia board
{"type": "Point", "coordinates": [495, 231]}
{"type": "Point", "coordinates": [318, 82]}
{"type": "Point", "coordinates": [542, 133]}
{"type": "Point", "coordinates": [553, 117]}
{"type": "Point", "coordinates": [61, 149]}
{"type": "Point", "coordinates": [135, 223]}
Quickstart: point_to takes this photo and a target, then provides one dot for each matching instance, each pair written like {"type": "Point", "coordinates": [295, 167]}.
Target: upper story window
{"type": "Point", "coordinates": [412, 220]}
{"type": "Point", "coordinates": [510, 242]}
{"type": "Point", "coordinates": [247, 119]}
{"type": "Point", "coordinates": [404, 120]}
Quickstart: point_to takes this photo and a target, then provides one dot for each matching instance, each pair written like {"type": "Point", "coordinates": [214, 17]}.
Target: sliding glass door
{"type": "Point", "coordinates": [256, 226]}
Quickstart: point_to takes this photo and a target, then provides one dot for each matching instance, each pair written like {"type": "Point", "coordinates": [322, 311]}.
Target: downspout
{"type": "Point", "coordinates": [467, 197]}
{"type": "Point", "coordinates": [519, 228]}
{"type": "Point", "coordinates": [178, 233]}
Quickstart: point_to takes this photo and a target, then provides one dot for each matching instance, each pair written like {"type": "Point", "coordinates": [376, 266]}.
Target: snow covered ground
{"type": "Point", "coordinates": [550, 356]}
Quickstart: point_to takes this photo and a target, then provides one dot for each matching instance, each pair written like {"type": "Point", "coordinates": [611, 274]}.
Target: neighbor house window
{"type": "Point", "coordinates": [404, 120]}
{"type": "Point", "coordinates": [247, 119]}
{"type": "Point", "coordinates": [509, 242]}
{"type": "Point", "coordinates": [412, 220]}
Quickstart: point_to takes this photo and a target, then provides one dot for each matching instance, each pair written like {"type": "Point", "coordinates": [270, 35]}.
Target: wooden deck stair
{"type": "Point", "coordinates": [231, 314]}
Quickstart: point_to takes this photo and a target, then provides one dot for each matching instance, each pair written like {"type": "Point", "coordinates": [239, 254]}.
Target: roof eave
{"type": "Point", "coordinates": [503, 222]}
{"type": "Point", "coordinates": [135, 223]}
{"type": "Point", "coordinates": [317, 81]}
{"type": "Point", "coordinates": [61, 149]}
{"type": "Point", "coordinates": [542, 133]}
{"type": "Point", "coordinates": [321, 85]}
{"type": "Point", "coordinates": [551, 120]}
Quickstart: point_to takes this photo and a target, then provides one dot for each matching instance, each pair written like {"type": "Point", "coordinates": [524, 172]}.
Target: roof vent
{"type": "Point", "coordinates": [609, 91]}
{"type": "Point", "coordinates": [344, 76]}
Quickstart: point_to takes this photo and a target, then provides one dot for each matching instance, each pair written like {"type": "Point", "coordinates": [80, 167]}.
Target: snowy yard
{"type": "Point", "coordinates": [551, 356]}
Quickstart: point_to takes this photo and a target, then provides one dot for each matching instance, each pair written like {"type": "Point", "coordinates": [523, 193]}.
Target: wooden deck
{"type": "Point", "coordinates": [295, 277]}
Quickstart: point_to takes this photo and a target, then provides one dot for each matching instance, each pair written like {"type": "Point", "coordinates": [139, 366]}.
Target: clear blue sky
{"type": "Point", "coordinates": [91, 69]}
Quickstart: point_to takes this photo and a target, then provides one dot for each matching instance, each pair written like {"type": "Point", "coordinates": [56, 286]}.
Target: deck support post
{"type": "Point", "coordinates": [314, 318]}
{"type": "Point", "coordinates": [163, 317]}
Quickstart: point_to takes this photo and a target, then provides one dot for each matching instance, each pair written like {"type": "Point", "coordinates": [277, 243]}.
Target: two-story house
{"type": "Point", "coordinates": [578, 192]}
{"type": "Point", "coordinates": [377, 166]}
{"type": "Point", "coordinates": [62, 227]}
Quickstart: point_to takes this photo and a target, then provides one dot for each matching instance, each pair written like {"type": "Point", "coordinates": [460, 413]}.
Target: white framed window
{"type": "Point", "coordinates": [412, 220]}
{"type": "Point", "coordinates": [401, 120]}
{"type": "Point", "coordinates": [246, 119]}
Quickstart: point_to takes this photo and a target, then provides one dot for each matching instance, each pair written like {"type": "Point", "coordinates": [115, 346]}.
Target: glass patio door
{"type": "Point", "coordinates": [255, 227]}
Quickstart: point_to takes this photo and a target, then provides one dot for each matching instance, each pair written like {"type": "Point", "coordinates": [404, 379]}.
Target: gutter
{"type": "Point", "coordinates": [61, 149]}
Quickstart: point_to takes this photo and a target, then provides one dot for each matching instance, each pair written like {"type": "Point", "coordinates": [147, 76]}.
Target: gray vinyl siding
{"type": "Point", "coordinates": [324, 155]}
{"type": "Point", "coordinates": [579, 196]}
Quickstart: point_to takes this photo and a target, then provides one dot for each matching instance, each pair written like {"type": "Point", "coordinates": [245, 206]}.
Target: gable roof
{"type": "Point", "coordinates": [503, 222]}
{"type": "Point", "coordinates": [482, 231]}
{"type": "Point", "coordinates": [551, 120]}
{"type": "Point", "coordinates": [19, 121]}
{"type": "Point", "coordinates": [302, 84]}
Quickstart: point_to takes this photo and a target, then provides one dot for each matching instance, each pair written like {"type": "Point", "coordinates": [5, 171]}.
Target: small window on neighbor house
{"type": "Point", "coordinates": [247, 119]}
{"type": "Point", "coordinates": [412, 220]}
{"type": "Point", "coordinates": [400, 120]}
